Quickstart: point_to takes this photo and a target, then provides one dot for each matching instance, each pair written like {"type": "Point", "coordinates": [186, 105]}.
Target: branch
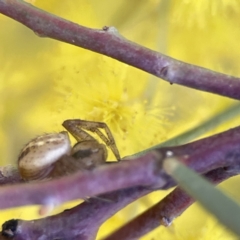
{"type": "Point", "coordinates": [165, 211]}
{"type": "Point", "coordinates": [204, 155]}
{"type": "Point", "coordinates": [91, 214]}
{"type": "Point", "coordinates": [108, 42]}
{"type": "Point", "coordinates": [81, 222]}
{"type": "Point", "coordinates": [220, 150]}
{"type": "Point", "coordinates": [143, 171]}
{"type": "Point", "coordinates": [9, 175]}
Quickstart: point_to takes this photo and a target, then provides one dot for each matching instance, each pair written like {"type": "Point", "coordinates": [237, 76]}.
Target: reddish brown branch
{"type": "Point", "coordinates": [210, 153]}
{"type": "Point", "coordinates": [9, 175]}
{"type": "Point", "coordinates": [219, 153]}
{"type": "Point", "coordinates": [220, 150]}
{"type": "Point", "coordinates": [110, 43]}
{"type": "Point", "coordinates": [142, 171]}
{"type": "Point", "coordinates": [81, 222]}
{"type": "Point", "coordinates": [164, 212]}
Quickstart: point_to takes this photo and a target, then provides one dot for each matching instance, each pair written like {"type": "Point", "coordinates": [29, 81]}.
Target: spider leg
{"type": "Point", "coordinates": [74, 127]}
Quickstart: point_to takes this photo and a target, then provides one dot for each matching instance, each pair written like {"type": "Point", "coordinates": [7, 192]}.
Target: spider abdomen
{"type": "Point", "coordinates": [37, 159]}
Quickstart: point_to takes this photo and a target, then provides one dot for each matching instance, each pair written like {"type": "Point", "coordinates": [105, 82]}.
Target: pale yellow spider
{"type": "Point", "coordinates": [51, 155]}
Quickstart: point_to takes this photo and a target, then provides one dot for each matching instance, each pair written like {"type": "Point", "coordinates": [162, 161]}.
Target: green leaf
{"type": "Point", "coordinates": [212, 199]}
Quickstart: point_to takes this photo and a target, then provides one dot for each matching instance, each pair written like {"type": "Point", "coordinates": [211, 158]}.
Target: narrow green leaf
{"type": "Point", "coordinates": [212, 199]}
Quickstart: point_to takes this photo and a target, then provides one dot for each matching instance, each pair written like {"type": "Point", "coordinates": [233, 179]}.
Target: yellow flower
{"type": "Point", "coordinates": [200, 12]}
{"type": "Point", "coordinates": [110, 92]}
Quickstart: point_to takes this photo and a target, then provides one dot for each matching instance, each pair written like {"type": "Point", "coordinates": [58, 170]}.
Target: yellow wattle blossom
{"type": "Point", "coordinates": [200, 12]}
{"type": "Point", "coordinates": [109, 95]}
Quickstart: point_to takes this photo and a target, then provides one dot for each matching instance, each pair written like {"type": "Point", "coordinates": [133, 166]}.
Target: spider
{"type": "Point", "coordinates": [51, 155]}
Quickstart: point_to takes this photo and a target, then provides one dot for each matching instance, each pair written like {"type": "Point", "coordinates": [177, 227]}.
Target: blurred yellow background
{"type": "Point", "coordinates": [44, 82]}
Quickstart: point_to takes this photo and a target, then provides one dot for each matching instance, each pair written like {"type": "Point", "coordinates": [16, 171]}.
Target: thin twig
{"type": "Point", "coordinates": [81, 222]}
{"type": "Point", "coordinates": [110, 43]}
{"type": "Point", "coordinates": [142, 171]}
